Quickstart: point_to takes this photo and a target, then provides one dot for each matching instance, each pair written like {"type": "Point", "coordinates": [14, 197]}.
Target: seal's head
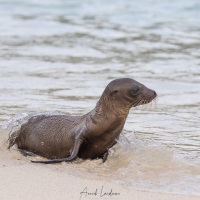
{"type": "Point", "coordinates": [125, 93]}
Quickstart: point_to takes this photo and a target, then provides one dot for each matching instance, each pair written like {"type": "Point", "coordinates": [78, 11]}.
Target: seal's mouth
{"type": "Point", "coordinates": [149, 98]}
{"type": "Point", "coordinates": [145, 100]}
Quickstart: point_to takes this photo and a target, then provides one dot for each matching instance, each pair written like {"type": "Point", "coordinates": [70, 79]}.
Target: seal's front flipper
{"type": "Point", "coordinates": [105, 156]}
{"type": "Point", "coordinates": [73, 156]}
{"type": "Point", "coordinates": [12, 138]}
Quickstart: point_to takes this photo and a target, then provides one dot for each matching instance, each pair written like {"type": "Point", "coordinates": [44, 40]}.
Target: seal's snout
{"type": "Point", "coordinates": [151, 94]}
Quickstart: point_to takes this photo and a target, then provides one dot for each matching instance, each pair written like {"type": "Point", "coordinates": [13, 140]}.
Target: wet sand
{"type": "Point", "coordinates": [20, 179]}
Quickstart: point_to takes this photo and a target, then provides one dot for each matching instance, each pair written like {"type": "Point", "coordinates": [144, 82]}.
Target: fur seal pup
{"type": "Point", "coordinates": [63, 138]}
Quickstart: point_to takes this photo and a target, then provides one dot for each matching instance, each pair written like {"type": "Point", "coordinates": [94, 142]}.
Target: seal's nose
{"type": "Point", "coordinates": [155, 93]}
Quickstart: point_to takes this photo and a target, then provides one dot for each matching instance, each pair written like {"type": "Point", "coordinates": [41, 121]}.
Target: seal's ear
{"type": "Point", "coordinates": [113, 92]}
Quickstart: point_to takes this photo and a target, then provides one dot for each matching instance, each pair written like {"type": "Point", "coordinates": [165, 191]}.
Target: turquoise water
{"type": "Point", "coordinates": [60, 55]}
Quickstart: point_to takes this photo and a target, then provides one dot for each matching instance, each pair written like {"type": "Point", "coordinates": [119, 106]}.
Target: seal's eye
{"type": "Point", "coordinates": [113, 92]}
{"type": "Point", "coordinates": [135, 90]}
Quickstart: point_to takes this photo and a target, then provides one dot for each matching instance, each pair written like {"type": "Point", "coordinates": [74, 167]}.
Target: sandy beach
{"type": "Point", "coordinates": [22, 180]}
{"type": "Point", "coordinates": [57, 58]}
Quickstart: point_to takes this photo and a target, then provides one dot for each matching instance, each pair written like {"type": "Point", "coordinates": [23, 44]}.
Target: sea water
{"type": "Point", "coordinates": [58, 56]}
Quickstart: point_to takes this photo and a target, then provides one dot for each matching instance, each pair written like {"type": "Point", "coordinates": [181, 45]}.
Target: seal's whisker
{"type": "Point", "coordinates": [151, 105]}
{"type": "Point", "coordinates": [139, 103]}
{"type": "Point", "coordinates": [154, 103]}
{"type": "Point", "coordinates": [145, 104]}
{"type": "Point", "coordinates": [136, 102]}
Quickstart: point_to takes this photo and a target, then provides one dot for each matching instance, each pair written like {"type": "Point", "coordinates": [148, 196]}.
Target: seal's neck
{"type": "Point", "coordinates": [107, 107]}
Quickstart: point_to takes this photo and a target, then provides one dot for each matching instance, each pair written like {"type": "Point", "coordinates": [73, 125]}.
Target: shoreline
{"type": "Point", "coordinates": [22, 180]}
